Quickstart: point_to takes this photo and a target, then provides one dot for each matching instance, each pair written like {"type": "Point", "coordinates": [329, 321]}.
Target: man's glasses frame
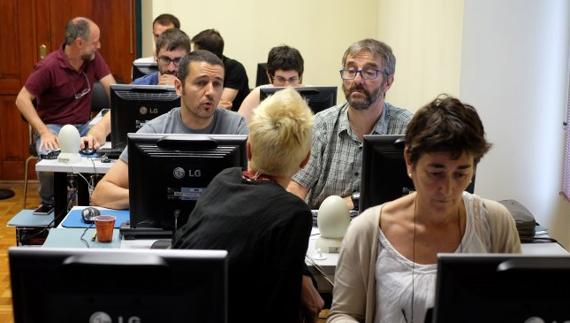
{"type": "Point", "coordinates": [368, 74]}
{"type": "Point", "coordinates": [85, 91]}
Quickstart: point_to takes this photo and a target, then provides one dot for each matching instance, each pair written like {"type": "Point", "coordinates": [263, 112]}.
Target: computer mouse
{"type": "Point", "coordinates": [161, 244]}
{"type": "Point", "coordinates": [89, 213]}
{"type": "Point", "coordinates": [87, 151]}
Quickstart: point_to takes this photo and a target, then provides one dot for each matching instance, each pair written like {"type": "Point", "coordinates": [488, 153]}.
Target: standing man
{"type": "Point", "coordinates": [200, 85]}
{"type": "Point", "coordinates": [171, 46]}
{"type": "Point", "coordinates": [236, 84]}
{"type": "Point", "coordinates": [367, 73]}
{"type": "Point", "coordinates": [61, 86]}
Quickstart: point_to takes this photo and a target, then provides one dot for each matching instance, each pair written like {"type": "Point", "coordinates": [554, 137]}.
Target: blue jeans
{"type": "Point", "coordinates": [46, 178]}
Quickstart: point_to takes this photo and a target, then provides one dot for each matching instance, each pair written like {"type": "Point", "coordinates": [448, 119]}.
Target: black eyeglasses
{"type": "Point", "coordinates": [282, 80]}
{"type": "Point", "coordinates": [165, 60]}
{"type": "Point", "coordinates": [367, 74]}
{"type": "Point", "coordinates": [85, 91]}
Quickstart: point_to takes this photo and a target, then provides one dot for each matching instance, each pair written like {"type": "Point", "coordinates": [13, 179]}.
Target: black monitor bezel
{"type": "Point", "coordinates": [143, 215]}
{"type": "Point", "coordinates": [383, 157]}
{"type": "Point", "coordinates": [71, 284]}
{"type": "Point", "coordinates": [140, 69]}
{"type": "Point", "coordinates": [306, 92]}
{"type": "Point", "coordinates": [126, 112]}
{"type": "Point", "coordinates": [501, 288]}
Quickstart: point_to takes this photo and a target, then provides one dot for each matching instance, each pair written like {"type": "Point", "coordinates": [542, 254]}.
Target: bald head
{"type": "Point", "coordinates": [79, 27]}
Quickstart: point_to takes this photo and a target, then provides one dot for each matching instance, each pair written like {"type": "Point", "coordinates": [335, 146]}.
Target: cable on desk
{"type": "Point", "coordinates": [82, 238]}
{"type": "Point", "coordinates": [320, 270]}
{"type": "Point", "coordinates": [35, 234]}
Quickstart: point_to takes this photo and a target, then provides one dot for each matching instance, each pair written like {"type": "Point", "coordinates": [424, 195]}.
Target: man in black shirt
{"type": "Point", "coordinates": [236, 84]}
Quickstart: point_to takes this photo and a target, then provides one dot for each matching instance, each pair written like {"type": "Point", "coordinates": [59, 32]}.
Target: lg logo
{"type": "Point", "coordinates": [179, 173]}
{"type": "Point", "coordinates": [145, 110]}
{"type": "Point", "coordinates": [102, 317]}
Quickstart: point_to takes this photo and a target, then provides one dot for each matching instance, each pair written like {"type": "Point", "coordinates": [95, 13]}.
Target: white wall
{"type": "Point", "coordinates": [426, 39]}
{"type": "Point", "coordinates": [320, 29]}
{"type": "Point", "coordinates": [513, 70]}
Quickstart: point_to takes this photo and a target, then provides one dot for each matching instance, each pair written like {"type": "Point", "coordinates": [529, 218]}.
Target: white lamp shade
{"type": "Point", "coordinates": [333, 220]}
{"type": "Point", "coordinates": [69, 143]}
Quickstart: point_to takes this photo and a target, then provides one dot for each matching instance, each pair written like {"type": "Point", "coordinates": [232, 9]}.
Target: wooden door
{"type": "Point", "coordinates": [29, 24]}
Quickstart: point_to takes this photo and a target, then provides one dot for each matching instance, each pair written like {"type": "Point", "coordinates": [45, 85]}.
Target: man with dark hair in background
{"type": "Point", "coordinates": [236, 84]}
{"type": "Point", "coordinates": [161, 23]}
{"type": "Point", "coordinates": [60, 85]}
{"type": "Point", "coordinates": [285, 67]}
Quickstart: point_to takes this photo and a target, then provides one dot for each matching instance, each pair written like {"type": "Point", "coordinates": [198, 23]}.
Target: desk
{"type": "Point", "coordinates": [29, 225]}
{"type": "Point", "coordinates": [70, 237]}
{"type": "Point", "coordinates": [60, 170]}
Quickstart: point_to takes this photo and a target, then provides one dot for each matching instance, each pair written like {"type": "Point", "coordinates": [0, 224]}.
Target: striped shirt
{"type": "Point", "coordinates": [336, 154]}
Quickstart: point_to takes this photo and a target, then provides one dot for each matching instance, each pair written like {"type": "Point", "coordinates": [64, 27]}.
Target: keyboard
{"type": "Point", "coordinates": [50, 155]}
{"type": "Point", "coordinates": [111, 153]}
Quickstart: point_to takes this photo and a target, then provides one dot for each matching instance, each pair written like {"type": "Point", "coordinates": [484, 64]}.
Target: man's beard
{"type": "Point", "coordinates": [88, 57]}
{"type": "Point", "coordinates": [362, 104]}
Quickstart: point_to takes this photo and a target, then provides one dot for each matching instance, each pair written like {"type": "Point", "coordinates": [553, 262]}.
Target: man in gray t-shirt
{"type": "Point", "coordinates": [200, 85]}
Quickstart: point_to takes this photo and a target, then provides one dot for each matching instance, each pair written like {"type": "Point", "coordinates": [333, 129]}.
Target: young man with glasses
{"type": "Point", "coordinates": [171, 46]}
{"type": "Point", "coordinates": [367, 73]}
{"type": "Point", "coordinates": [61, 87]}
{"type": "Point", "coordinates": [285, 67]}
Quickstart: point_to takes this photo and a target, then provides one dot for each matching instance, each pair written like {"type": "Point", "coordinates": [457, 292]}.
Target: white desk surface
{"type": "Point", "coordinates": [85, 165]}
{"type": "Point", "coordinates": [330, 259]}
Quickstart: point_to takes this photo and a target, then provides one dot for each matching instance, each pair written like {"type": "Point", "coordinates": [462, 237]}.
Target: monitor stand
{"type": "Point", "coordinates": [129, 233]}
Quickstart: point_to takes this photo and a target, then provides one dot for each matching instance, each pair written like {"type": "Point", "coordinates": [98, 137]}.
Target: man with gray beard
{"type": "Point", "coordinates": [367, 73]}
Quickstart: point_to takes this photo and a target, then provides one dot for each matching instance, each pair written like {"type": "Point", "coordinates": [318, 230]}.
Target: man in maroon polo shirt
{"type": "Point", "coordinates": [61, 85]}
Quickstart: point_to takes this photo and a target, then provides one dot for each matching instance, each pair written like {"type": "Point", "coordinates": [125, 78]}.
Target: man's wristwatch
{"type": "Point", "coordinates": [355, 197]}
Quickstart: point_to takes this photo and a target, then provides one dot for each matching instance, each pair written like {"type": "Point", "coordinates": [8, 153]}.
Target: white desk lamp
{"type": "Point", "coordinates": [69, 143]}
{"type": "Point", "coordinates": [333, 220]}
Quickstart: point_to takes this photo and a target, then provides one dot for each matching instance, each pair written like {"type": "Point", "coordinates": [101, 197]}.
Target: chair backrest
{"type": "Point", "coordinates": [99, 99]}
{"type": "Point", "coordinates": [261, 77]}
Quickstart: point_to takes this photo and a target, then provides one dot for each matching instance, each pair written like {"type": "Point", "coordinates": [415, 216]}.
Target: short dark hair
{"type": "Point", "coordinates": [210, 39]}
{"type": "Point", "coordinates": [172, 39]}
{"type": "Point", "coordinates": [446, 125]}
{"type": "Point", "coordinates": [196, 56]}
{"type": "Point", "coordinates": [284, 58]}
{"type": "Point", "coordinates": [166, 19]}
{"type": "Point", "coordinates": [376, 48]}
{"type": "Point", "coordinates": [77, 27]}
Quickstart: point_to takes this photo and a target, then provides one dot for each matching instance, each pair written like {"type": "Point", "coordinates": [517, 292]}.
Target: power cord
{"type": "Point", "coordinates": [82, 238]}
{"type": "Point", "coordinates": [319, 269]}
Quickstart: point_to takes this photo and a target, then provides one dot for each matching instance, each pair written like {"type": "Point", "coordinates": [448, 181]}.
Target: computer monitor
{"type": "Point", "coordinates": [118, 285]}
{"type": "Point", "coordinates": [502, 288]}
{"type": "Point", "coordinates": [133, 105]}
{"type": "Point", "coordinates": [384, 176]}
{"type": "Point", "coordinates": [168, 173]}
{"type": "Point", "coordinates": [141, 69]}
{"type": "Point", "coordinates": [318, 98]}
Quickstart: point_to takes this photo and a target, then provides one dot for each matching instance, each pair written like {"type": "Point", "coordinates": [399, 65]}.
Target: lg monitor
{"type": "Point", "coordinates": [168, 173]}
{"type": "Point", "coordinates": [141, 69]}
{"type": "Point", "coordinates": [502, 288]}
{"type": "Point", "coordinates": [318, 98]}
{"type": "Point", "coordinates": [118, 285]}
{"type": "Point", "coordinates": [133, 105]}
{"type": "Point", "coordinates": [384, 176]}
